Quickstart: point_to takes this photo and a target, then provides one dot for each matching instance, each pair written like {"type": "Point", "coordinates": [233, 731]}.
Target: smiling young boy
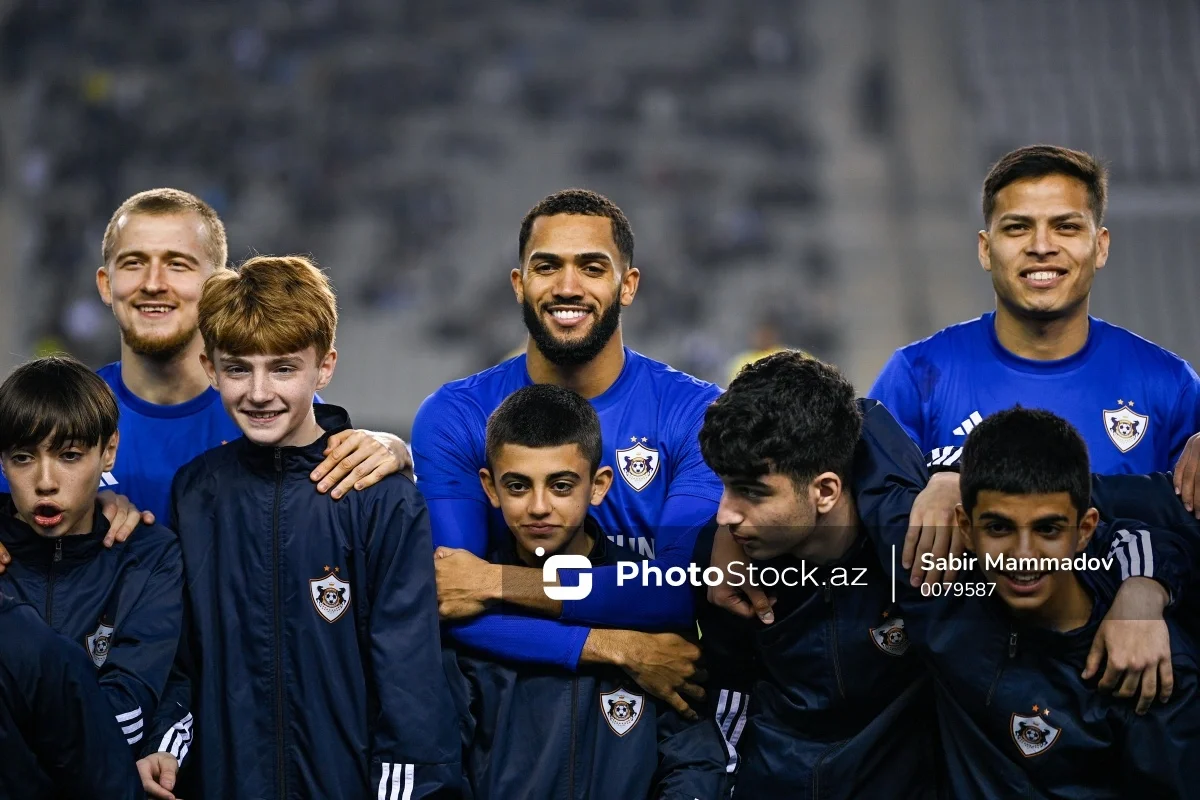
{"type": "Point", "coordinates": [1016, 717]}
{"type": "Point", "coordinates": [124, 605]}
{"type": "Point", "coordinates": [311, 649]}
{"type": "Point", "coordinates": [537, 730]}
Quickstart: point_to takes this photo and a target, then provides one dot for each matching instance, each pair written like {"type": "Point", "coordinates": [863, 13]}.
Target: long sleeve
{"type": "Point", "coordinates": [415, 744]}
{"type": "Point", "coordinates": [1185, 421]}
{"type": "Point", "coordinates": [134, 674]}
{"type": "Point", "coordinates": [70, 727]}
{"type": "Point", "coordinates": [1160, 748]}
{"type": "Point", "coordinates": [447, 467]}
{"type": "Point", "coordinates": [691, 758]}
{"type": "Point", "coordinates": [651, 607]}
{"type": "Point", "coordinates": [693, 494]}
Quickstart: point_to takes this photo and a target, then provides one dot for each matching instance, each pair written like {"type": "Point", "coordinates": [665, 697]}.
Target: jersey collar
{"type": "Point", "coordinates": [1055, 367]}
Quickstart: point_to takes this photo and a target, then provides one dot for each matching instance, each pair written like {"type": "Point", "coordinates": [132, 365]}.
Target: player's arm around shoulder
{"type": "Point", "coordinates": [415, 741]}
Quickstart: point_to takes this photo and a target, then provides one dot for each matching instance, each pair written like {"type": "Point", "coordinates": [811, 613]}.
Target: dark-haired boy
{"type": "Point", "coordinates": [1015, 716]}
{"type": "Point", "coordinates": [55, 726]}
{"type": "Point", "coordinates": [123, 606]}
{"type": "Point", "coordinates": [541, 731]}
{"type": "Point", "coordinates": [838, 706]}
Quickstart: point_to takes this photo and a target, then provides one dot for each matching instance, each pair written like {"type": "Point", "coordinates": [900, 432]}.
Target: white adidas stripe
{"type": "Point", "coordinates": [396, 782]}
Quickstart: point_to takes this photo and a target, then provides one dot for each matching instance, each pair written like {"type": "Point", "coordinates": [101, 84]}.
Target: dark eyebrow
{"type": "Point", "coordinates": [585, 257]}
{"type": "Point", "coordinates": [564, 473]}
{"type": "Point", "coordinates": [991, 516]}
{"type": "Point", "coordinates": [510, 475]}
{"type": "Point", "coordinates": [578, 257]}
{"type": "Point", "coordinates": [1051, 518]}
{"type": "Point", "coordinates": [540, 256]}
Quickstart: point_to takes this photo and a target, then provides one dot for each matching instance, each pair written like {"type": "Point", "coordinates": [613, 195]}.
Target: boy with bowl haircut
{"type": "Point", "coordinates": [543, 473]}
{"type": "Point", "coordinates": [311, 649]}
{"type": "Point", "coordinates": [124, 605]}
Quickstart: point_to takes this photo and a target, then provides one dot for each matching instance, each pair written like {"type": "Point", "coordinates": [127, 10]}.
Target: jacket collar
{"type": "Point", "coordinates": [29, 547]}
{"type": "Point", "coordinates": [332, 419]}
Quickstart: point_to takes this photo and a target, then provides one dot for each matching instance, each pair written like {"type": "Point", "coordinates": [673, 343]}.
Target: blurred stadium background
{"type": "Point", "coordinates": [808, 164]}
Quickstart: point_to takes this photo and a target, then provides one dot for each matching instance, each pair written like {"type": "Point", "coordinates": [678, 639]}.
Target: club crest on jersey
{"type": "Point", "coordinates": [622, 710]}
{"type": "Point", "coordinates": [638, 463]}
{"type": "Point", "coordinates": [1125, 426]}
{"type": "Point", "coordinates": [330, 595]}
{"type": "Point", "coordinates": [99, 642]}
{"type": "Point", "coordinates": [890, 637]}
{"type": "Point", "coordinates": [1032, 734]}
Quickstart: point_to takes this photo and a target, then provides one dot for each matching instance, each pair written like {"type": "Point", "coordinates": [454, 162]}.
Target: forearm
{"type": "Point", "coordinates": [523, 639]}
{"type": "Point", "coordinates": [523, 587]}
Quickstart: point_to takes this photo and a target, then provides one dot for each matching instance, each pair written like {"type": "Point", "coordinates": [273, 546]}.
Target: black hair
{"type": "Point", "coordinates": [1040, 160]}
{"type": "Point", "coordinates": [544, 415]}
{"type": "Point", "coordinates": [584, 202]}
{"type": "Point", "coordinates": [787, 413]}
{"type": "Point", "coordinates": [1025, 451]}
{"type": "Point", "coordinates": [55, 396]}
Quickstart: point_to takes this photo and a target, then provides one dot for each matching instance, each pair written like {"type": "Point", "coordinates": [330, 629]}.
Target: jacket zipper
{"type": "Point", "coordinates": [1012, 653]}
{"type": "Point", "coordinates": [816, 784]}
{"type": "Point", "coordinates": [50, 583]}
{"type": "Point", "coordinates": [574, 721]}
{"type": "Point", "coordinates": [837, 664]}
{"type": "Point", "coordinates": [275, 548]}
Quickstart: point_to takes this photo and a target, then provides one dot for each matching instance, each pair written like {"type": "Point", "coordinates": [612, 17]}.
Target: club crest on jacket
{"type": "Point", "coordinates": [890, 637]}
{"type": "Point", "coordinates": [622, 710]}
{"type": "Point", "coordinates": [1033, 734]}
{"type": "Point", "coordinates": [99, 642]}
{"type": "Point", "coordinates": [330, 594]}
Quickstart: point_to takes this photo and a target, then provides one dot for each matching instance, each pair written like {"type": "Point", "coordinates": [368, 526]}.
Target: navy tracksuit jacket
{"type": "Point", "coordinates": [542, 733]}
{"type": "Point", "coordinates": [1014, 717]}
{"type": "Point", "coordinates": [57, 737]}
{"type": "Point", "coordinates": [123, 605]}
{"type": "Point", "coordinates": [310, 664]}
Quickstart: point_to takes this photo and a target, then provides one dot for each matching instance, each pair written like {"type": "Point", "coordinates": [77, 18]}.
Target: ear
{"type": "Point", "coordinates": [985, 251]}
{"type": "Point", "coordinates": [1102, 248]}
{"type": "Point", "coordinates": [108, 456]}
{"type": "Point", "coordinates": [629, 285]}
{"type": "Point", "coordinates": [325, 369]}
{"type": "Point", "coordinates": [965, 527]}
{"type": "Point", "coordinates": [210, 369]}
{"type": "Point", "coordinates": [1087, 527]}
{"type": "Point", "coordinates": [104, 285]}
{"type": "Point", "coordinates": [518, 285]}
{"type": "Point", "coordinates": [489, 488]}
{"type": "Point", "coordinates": [825, 491]}
{"type": "Point", "coordinates": [601, 483]}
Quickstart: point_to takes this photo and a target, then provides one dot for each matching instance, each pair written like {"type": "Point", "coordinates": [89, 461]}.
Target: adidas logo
{"type": "Point", "coordinates": [968, 424]}
{"type": "Point", "coordinates": [950, 455]}
{"type": "Point", "coordinates": [107, 480]}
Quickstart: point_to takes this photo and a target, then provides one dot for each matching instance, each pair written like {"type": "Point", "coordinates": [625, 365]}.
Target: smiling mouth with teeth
{"type": "Point", "coordinates": [568, 313]}
{"type": "Point", "coordinates": [1043, 275]}
{"type": "Point", "coordinates": [1024, 578]}
{"type": "Point", "coordinates": [263, 415]}
{"type": "Point", "coordinates": [154, 310]}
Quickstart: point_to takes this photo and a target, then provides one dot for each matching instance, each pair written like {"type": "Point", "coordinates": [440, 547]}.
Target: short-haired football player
{"type": "Point", "coordinates": [543, 731]}
{"type": "Point", "coordinates": [159, 248]}
{"type": "Point", "coordinates": [122, 606]}
{"type": "Point", "coordinates": [311, 650]}
{"type": "Point", "coordinates": [1043, 242]}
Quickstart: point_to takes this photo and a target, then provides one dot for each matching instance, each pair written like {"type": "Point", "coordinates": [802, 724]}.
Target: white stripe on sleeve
{"type": "Point", "coordinates": [382, 794]}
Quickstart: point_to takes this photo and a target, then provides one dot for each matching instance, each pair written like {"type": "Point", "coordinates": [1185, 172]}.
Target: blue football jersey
{"type": "Point", "coordinates": [157, 440]}
{"type": "Point", "coordinates": [1134, 403]}
{"type": "Point", "coordinates": [650, 420]}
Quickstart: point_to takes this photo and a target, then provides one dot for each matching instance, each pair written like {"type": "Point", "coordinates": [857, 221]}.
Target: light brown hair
{"type": "Point", "coordinates": [271, 305]}
{"type": "Point", "coordinates": [161, 202]}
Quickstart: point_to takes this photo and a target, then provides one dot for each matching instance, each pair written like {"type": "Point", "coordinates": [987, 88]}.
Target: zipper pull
{"type": "Point", "coordinates": [58, 550]}
{"type": "Point", "coordinates": [1012, 645]}
{"type": "Point", "coordinates": [278, 460]}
